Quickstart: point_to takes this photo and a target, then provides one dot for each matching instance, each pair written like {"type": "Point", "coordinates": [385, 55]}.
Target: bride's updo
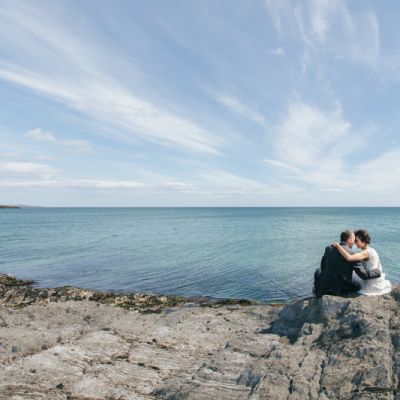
{"type": "Point", "coordinates": [363, 235]}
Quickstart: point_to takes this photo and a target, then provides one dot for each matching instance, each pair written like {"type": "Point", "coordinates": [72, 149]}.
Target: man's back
{"type": "Point", "coordinates": [337, 273]}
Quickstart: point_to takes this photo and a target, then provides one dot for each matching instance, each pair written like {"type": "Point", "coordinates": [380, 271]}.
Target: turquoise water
{"type": "Point", "coordinates": [254, 253]}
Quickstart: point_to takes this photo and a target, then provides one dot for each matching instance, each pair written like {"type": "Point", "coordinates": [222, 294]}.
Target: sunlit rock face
{"type": "Point", "coordinates": [78, 344]}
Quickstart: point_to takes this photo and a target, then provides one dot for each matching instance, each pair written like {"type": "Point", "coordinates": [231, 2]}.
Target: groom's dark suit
{"type": "Point", "coordinates": [335, 276]}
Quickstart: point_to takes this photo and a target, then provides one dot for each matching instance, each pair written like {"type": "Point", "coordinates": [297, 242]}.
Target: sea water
{"type": "Point", "coordinates": [265, 254]}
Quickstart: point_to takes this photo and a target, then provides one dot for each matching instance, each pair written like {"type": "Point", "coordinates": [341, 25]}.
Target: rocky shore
{"type": "Point", "coordinates": [70, 343]}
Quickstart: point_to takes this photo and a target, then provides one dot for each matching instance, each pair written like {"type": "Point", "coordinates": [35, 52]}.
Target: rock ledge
{"type": "Point", "coordinates": [69, 343]}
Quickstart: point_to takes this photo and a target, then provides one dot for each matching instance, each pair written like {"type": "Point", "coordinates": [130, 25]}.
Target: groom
{"type": "Point", "coordinates": [335, 275]}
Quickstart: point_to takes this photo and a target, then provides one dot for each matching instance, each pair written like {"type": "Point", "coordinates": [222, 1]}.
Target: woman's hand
{"type": "Point", "coordinates": [336, 244]}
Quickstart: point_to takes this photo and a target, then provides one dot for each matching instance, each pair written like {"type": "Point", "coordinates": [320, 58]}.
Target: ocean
{"type": "Point", "coordinates": [266, 254]}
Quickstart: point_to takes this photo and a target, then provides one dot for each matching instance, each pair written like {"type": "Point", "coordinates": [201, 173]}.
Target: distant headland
{"type": "Point", "coordinates": [18, 206]}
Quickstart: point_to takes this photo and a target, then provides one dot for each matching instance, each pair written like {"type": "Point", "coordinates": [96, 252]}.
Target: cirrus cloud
{"type": "Point", "coordinates": [27, 168]}
{"type": "Point", "coordinates": [77, 146]}
{"type": "Point", "coordinates": [83, 80]}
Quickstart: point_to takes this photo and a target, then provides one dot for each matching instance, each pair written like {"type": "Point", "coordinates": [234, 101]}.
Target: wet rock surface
{"type": "Point", "coordinates": [65, 346]}
{"type": "Point", "coordinates": [20, 293]}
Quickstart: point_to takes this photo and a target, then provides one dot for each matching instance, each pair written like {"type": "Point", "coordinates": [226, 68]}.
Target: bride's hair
{"type": "Point", "coordinates": [363, 235]}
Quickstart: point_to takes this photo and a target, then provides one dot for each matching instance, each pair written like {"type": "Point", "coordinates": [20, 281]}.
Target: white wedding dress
{"type": "Point", "coordinates": [376, 286]}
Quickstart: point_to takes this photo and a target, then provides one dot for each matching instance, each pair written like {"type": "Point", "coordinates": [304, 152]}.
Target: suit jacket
{"type": "Point", "coordinates": [336, 276]}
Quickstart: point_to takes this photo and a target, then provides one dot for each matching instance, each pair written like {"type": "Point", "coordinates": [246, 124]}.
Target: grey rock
{"type": "Point", "coordinates": [330, 348]}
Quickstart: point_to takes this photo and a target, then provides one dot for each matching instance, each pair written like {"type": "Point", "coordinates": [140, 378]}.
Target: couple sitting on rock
{"type": "Point", "coordinates": [345, 271]}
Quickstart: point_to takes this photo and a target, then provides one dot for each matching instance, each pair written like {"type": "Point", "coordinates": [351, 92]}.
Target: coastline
{"type": "Point", "coordinates": [21, 293]}
{"type": "Point", "coordinates": [70, 343]}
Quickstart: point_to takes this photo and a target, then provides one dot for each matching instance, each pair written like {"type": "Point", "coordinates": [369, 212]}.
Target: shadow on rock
{"type": "Point", "coordinates": [340, 318]}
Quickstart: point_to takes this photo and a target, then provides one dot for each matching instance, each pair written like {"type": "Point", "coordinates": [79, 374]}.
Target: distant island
{"type": "Point", "coordinates": [8, 206]}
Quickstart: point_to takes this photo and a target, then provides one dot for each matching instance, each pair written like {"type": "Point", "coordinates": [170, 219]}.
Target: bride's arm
{"type": "Point", "coordinates": [351, 257]}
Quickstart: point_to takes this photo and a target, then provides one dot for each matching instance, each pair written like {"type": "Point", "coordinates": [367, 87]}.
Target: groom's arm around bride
{"type": "Point", "coordinates": [366, 275]}
{"type": "Point", "coordinates": [335, 274]}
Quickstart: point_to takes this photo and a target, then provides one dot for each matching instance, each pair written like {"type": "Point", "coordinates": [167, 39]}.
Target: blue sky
{"type": "Point", "coordinates": [199, 103]}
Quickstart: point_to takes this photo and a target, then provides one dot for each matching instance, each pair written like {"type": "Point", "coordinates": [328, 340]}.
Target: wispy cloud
{"type": "Point", "coordinates": [380, 174]}
{"type": "Point", "coordinates": [311, 145]}
{"type": "Point", "coordinates": [328, 26]}
{"type": "Point", "coordinates": [224, 183]}
{"type": "Point", "coordinates": [320, 18]}
{"type": "Point", "coordinates": [277, 52]}
{"type": "Point", "coordinates": [76, 146]}
{"type": "Point", "coordinates": [282, 164]}
{"type": "Point", "coordinates": [40, 135]}
{"type": "Point", "coordinates": [76, 72]}
{"type": "Point", "coordinates": [27, 168]}
{"type": "Point", "coordinates": [316, 146]}
{"type": "Point", "coordinates": [306, 134]}
{"type": "Point", "coordinates": [9, 154]}
{"type": "Point", "coordinates": [44, 157]}
{"type": "Point", "coordinates": [202, 181]}
{"type": "Point", "coordinates": [74, 183]}
{"type": "Point", "coordinates": [179, 186]}
{"type": "Point", "coordinates": [239, 107]}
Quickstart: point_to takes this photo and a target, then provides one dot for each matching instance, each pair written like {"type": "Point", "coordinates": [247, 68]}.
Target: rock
{"type": "Point", "coordinates": [74, 343]}
{"type": "Point", "coordinates": [20, 294]}
{"type": "Point", "coordinates": [9, 280]}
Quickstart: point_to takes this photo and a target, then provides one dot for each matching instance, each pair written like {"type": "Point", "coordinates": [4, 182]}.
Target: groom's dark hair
{"type": "Point", "coordinates": [345, 235]}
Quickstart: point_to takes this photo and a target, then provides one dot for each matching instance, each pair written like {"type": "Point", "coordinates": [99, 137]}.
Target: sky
{"type": "Point", "coordinates": [199, 103]}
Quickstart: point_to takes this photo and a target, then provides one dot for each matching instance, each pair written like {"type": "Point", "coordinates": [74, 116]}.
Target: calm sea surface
{"type": "Point", "coordinates": [254, 253]}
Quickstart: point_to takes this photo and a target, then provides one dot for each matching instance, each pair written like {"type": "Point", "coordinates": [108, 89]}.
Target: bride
{"type": "Point", "coordinates": [370, 260]}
